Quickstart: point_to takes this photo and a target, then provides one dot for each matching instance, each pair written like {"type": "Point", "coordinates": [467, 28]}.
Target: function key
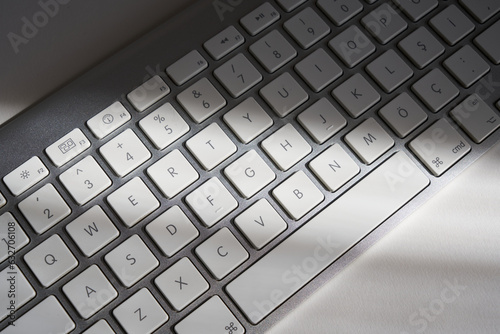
{"type": "Point", "coordinates": [26, 176]}
{"type": "Point", "coordinates": [108, 120]}
{"type": "Point", "coordinates": [290, 5]}
{"type": "Point", "coordinates": [68, 147]}
{"type": "Point", "coordinates": [224, 42]}
{"type": "Point", "coordinates": [186, 67]}
{"type": "Point", "coordinates": [148, 93]}
{"type": "Point", "coordinates": [260, 18]}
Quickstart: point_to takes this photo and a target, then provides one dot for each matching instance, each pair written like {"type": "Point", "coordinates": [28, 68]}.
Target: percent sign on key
{"type": "Point", "coordinates": [159, 118]}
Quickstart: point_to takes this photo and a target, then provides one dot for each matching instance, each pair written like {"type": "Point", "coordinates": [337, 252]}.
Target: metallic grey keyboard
{"type": "Point", "coordinates": [263, 154]}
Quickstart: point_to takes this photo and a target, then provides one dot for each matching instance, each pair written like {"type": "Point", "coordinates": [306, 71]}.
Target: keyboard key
{"type": "Point", "coordinates": [248, 120]}
{"type": "Point", "coordinates": [211, 201]}
{"type": "Point", "coordinates": [403, 114]}
{"type": "Point", "coordinates": [133, 202]}
{"type": "Point", "coordinates": [201, 100]}
{"type": "Point", "coordinates": [187, 67]}
{"type": "Point", "coordinates": [181, 284]}
{"type": "Point", "coordinates": [289, 5]}
{"type": "Point", "coordinates": [286, 147]}
{"type": "Point", "coordinates": [100, 327]}
{"type": "Point", "coordinates": [356, 95]}
{"type": "Point", "coordinates": [440, 147]}
{"type": "Point", "coordinates": [260, 18]}
{"type": "Point", "coordinates": [318, 70]}
{"type": "Point", "coordinates": [221, 253]}
{"type": "Point", "coordinates": [452, 25]}
{"type": "Point", "coordinates": [108, 120]}
{"type": "Point", "coordinates": [68, 147]}
{"type": "Point", "coordinates": [172, 173]}
{"type": "Point", "coordinates": [224, 42]}
{"type": "Point", "coordinates": [12, 237]}
{"type": "Point", "coordinates": [92, 231]}
{"type": "Point", "coordinates": [334, 167]}
{"type": "Point", "coordinates": [476, 118]}
{"type": "Point", "coordinates": [26, 176]}
{"type": "Point", "coordinates": [213, 317]}
{"type": "Point", "coordinates": [164, 126]}
{"type": "Point", "coordinates": [435, 90]}
{"type": "Point", "coordinates": [148, 93]}
{"type": "Point", "coordinates": [172, 231]}
{"type": "Point", "coordinates": [384, 23]}
{"type": "Point", "coordinates": [322, 120]}
{"type": "Point", "coordinates": [260, 223]}
{"type": "Point", "coordinates": [318, 243]}
{"type": "Point", "coordinates": [211, 146]}
{"type": "Point", "coordinates": [389, 71]}
{"type": "Point", "coordinates": [125, 152]}
{"type": "Point", "coordinates": [307, 28]}
{"type": "Point", "coordinates": [3, 201]}
{"type": "Point", "coordinates": [50, 260]}
{"type": "Point", "coordinates": [273, 51]}
{"type": "Point", "coordinates": [416, 10]}
{"type": "Point", "coordinates": [238, 75]}
{"type": "Point", "coordinates": [486, 42]}
{"type": "Point", "coordinates": [481, 10]}
{"type": "Point", "coordinates": [352, 46]}
{"type": "Point", "coordinates": [131, 261]}
{"type": "Point", "coordinates": [421, 47]}
{"type": "Point", "coordinates": [298, 195]}
{"type": "Point", "coordinates": [35, 320]}
{"type": "Point", "coordinates": [140, 313]}
{"type": "Point", "coordinates": [85, 180]}
{"type": "Point", "coordinates": [249, 174]}
{"type": "Point", "coordinates": [89, 292]}
{"type": "Point", "coordinates": [284, 94]}
{"type": "Point", "coordinates": [466, 65]}
{"type": "Point", "coordinates": [18, 291]}
{"type": "Point", "coordinates": [340, 11]}
{"type": "Point", "coordinates": [44, 208]}
{"type": "Point", "coordinates": [369, 140]}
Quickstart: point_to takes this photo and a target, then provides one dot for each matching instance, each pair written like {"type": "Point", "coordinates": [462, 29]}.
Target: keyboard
{"type": "Point", "coordinates": [207, 181]}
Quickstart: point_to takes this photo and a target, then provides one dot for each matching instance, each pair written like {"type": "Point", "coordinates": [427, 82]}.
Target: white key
{"type": "Point", "coordinates": [322, 120]}
{"type": "Point", "coordinates": [90, 291]}
{"type": "Point", "coordinates": [172, 173]}
{"type": "Point", "coordinates": [211, 146]}
{"type": "Point", "coordinates": [369, 140]}
{"type": "Point", "coordinates": [12, 237]}
{"type": "Point", "coordinates": [249, 174]}
{"type": "Point", "coordinates": [92, 231]}
{"type": "Point", "coordinates": [100, 327]}
{"type": "Point", "coordinates": [148, 93]}
{"type": "Point", "coordinates": [476, 118]}
{"type": "Point", "coordinates": [286, 147]}
{"type": "Point", "coordinates": [35, 320]}
{"type": "Point", "coordinates": [68, 147]}
{"type": "Point", "coordinates": [435, 90]}
{"type": "Point", "coordinates": [213, 317]}
{"type": "Point", "coordinates": [3, 201]}
{"type": "Point", "coordinates": [440, 147]}
{"type": "Point", "coordinates": [164, 126]}
{"type": "Point", "coordinates": [133, 202]}
{"type": "Point", "coordinates": [172, 231]}
{"type": "Point", "coordinates": [224, 42]}
{"type": "Point", "coordinates": [187, 67]}
{"type": "Point", "coordinates": [85, 180]}
{"type": "Point", "coordinates": [237, 75]}
{"type": "Point", "coordinates": [356, 95]}
{"type": "Point", "coordinates": [273, 51]}
{"type": "Point", "coordinates": [298, 195]}
{"type": "Point", "coordinates": [50, 260]}
{"type": "Point", "coordinates": [260, 18]}
{"type": "Point", "coordinates": [26, 176]}
{"type": "Point", "coordinates": [108, 120]}
{"type": "Point", "coordinates": [181, 284]}
{"type": "Point", "coordinates": [403, 114]}
{"type": "Point", "coordinates": [141, 313]}
{"type": "Point", "coordinates": [18, 291]}
{"type": "Point", "coordinates": [44, 208]}
{"type": "Point", "coordinates": [248, 120]}
{"type": "Point", "coordinates": [334, 167]}
{"type": "Point", "coordinates": [221, 253]}
{"type": "Point", "coordinates": [201, 100]}
{"type": "Point", "coordinates": [125, 152]}
{"type": "Point", "coordinates": [211, 201]}
{"type": "Point", "coordinates": [131, 260]}
{"type": "Point", "coordinates": [284, 94]}
{"type": "Point", "coordinates": [289, 266]}
{"type": "Point", "coordinates": [260, 223]}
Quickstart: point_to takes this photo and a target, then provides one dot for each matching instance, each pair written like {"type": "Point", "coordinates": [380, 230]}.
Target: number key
{"type": "Point", "coordinates": [238, 75]}
{"type": "Point", "coordinates": [307, 28]}
{"type": "Point", "coordinates": [273, 51]}
{"type": "Point", "coordinates": [201, 100]}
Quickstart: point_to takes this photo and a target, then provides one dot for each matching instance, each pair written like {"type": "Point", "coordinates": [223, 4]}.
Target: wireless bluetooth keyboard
{"type": "Point", "coordinates": [273, 143]}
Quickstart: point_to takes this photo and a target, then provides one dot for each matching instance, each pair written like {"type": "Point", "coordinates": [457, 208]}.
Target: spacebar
{"type": "Point", "coordinates": [305, 253]}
